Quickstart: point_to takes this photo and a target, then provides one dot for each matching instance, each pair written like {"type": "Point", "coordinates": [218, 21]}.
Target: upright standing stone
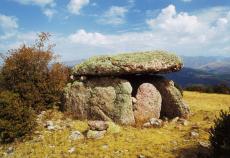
{"type": "Point", "coordinates": [101, 98]}
{"type": "Point", "coordinates": [148, 103]}
{"type": "Point", "coordinates": [172, 102]}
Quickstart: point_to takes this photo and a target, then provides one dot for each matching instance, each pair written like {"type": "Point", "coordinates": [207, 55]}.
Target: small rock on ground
{"type": "Point", "coordinates": [183, 122]}
{"type": "Point", "coordinates": [194, 134]}
{"type": "Point", "coordinates": [153, 122]}
{"type": "Point", "coordinates": [71, 150]}
{"type": "Point", "coordinates": [10, 150]}
{"type": "Point", "coordinates": [95, 134]}
{"type": "Point", "coordinates": [98, 125]}
{"type": "Point", "coordinates": [174, 120]}
{"type": "Point", "coordinates": [141, 156]}
{"type": "Point", "coordinates": [204, 144]}
{"type": "Point", "coordinates": [76, 135]}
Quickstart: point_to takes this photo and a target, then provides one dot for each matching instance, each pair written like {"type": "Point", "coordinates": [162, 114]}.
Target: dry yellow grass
{"type": "Point", "coordinates": [170, 141]}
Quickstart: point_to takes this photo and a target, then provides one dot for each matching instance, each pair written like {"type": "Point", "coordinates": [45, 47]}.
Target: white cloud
{"type": "Point", "coordinates": [204, 32]}
{"type": "Point", "coordinates": [169, 20]}
{"type": "Point", "coordinates": [114, 16]}
{"type": "Point", "coordinates": [37, 2]}
{"type": "Point", "coordinates": [180, 32]}
{"type": "Point", "coordinates": [74, 6]}
{"type": "Point", "coordinates": [14, 40]}
{"type": "Point", "coordinates": [83, 37]}
{"type": "Point", "coordinates": [49, 12]}
{"type": "Point", "coordinates": [8, 23]}
{"type": "Point", "coordinates": [46, 5]}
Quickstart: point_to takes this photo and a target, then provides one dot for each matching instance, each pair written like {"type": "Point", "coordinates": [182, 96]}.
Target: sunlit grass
{"type": "Point", "coordinates": [164, 142]}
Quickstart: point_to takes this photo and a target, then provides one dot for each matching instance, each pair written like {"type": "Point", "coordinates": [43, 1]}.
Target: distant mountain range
{"type": "Point", "coordinates": [216, 65]}
{"type": "Point", "coordinates": [189, 76]}
{"type": "Point", "coordinates": [203, 70]}
{"type": "Point", "coordinates": [197, 70]}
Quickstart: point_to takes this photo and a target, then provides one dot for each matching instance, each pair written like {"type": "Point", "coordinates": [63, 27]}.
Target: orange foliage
{"type": "Point", "coordinates": [27, 71]}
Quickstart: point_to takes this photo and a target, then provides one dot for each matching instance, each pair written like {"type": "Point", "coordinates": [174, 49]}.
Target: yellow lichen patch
{"type": "Point", "coordinates": [169, 141]}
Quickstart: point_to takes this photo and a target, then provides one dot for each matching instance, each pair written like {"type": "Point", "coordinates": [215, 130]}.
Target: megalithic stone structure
{"type": "Point", "coordinates": [125, 88]}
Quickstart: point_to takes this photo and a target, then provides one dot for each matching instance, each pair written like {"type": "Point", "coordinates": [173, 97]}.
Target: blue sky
{"type": "Point", "coordinates": [83, 28]}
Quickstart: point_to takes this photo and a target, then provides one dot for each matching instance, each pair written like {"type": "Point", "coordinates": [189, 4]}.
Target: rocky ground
{"type": "Point", "coordinates": [57, 135]}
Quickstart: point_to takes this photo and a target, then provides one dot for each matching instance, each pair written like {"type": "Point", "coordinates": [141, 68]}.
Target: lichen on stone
{"type": "Point", "coordinates": [129, 63]}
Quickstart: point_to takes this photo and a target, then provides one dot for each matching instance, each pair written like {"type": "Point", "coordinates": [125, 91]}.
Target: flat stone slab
{"type": "Point", "coordinates": [130, 63]}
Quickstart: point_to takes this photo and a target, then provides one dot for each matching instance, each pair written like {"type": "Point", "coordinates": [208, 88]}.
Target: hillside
{"type": "Point", "coordinates": [214, 66]}
{"type": "Point", "coordinates": [217, 67]}
{"type": "Point", "coordinates": [197, 62]}
{"type": "Point", "coordinates": [172, 140]}
{"type": "Point", "coordinates": [189, 76]}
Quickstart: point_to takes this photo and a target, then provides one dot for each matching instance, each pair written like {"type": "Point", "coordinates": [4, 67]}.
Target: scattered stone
{"type": "Point", "coordinates": [155, 122]}
{"type": "Point", "coordinates": [148, 103]}
{"type": "Point", "coordinates": [10, 150]}
{"type": "Point", "coordinates": [183, 122]}
{"type": "Point", "coordinates": [105, 146]}
{"type": "Point", "coordinates": [165, 118]}
{"type": "Point", "coordinates": [41, 114]}
{"type": "Point", "coordinates": [174, 120]}
{"type": "Point", "coordinates": [141, 156]}
{"type": "Point", "coordinates": [98, 125]}
{"type": "Point", "coordinates": [76, 135]}
{"type": "Point", "coordinates": [147, 125]}
{"type": "Point", "coordinates": [95, 134]}
{"type": "Point", "coordinates": [52, 146]}
{"type": "Point", "coordinates": [194, 134]}
{"type": "Point", "coordinates": [71, 150]}
{"type": "Point", "coordinates": [205, 144]}
{"type": "Point", "coordinates": [50, 125]}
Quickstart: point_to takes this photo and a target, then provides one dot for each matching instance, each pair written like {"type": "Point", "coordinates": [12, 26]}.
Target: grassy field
{"type": "Point", "coordinates": [172, 140]}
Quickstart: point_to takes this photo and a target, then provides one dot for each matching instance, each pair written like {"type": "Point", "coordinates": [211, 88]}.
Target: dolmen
{"type": "Point", "coordinates": [126, 88]}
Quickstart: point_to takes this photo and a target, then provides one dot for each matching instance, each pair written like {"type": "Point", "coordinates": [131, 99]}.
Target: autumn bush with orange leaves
{"type": "Point", "coordinates": [33, 74]}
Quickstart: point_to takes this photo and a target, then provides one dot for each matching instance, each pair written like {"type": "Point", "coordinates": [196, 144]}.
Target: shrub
{"type": "Point", "coordinates": [220, 135]}
{"type": "Point", "coordinates": [220, 88]}
{"type": "Point", "coordinates": [31, 72]}
{"type": "Point", "coordinates": [16, 120]}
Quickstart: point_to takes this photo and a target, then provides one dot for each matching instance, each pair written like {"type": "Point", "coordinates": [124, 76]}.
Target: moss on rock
{"type": "Point", "coordinates": [102, 98]}
{"type": "Point", "coordinates": [130, 63]}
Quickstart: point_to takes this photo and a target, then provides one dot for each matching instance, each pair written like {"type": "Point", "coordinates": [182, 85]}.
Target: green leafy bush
{"type": "Point", "coordinates": [220, 135]}
{"type": "Point", "coordinates": [16, 120]}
